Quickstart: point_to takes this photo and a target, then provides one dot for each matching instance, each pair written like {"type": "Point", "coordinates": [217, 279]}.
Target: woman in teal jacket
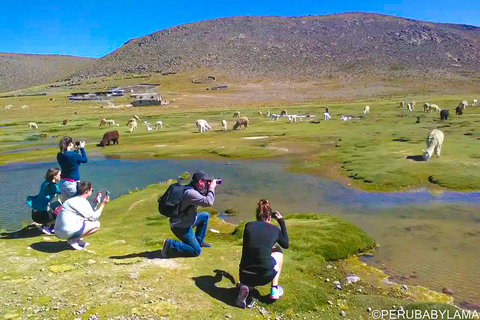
{"type": "Point", "coordinates": [42, 211]}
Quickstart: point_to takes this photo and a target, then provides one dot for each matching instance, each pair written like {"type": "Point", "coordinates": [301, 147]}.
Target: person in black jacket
{"type": "Point", "coordinates": [262, 257]}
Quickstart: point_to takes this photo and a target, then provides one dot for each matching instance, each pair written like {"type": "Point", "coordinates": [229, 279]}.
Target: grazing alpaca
{"type": "Point", "coordinates": [444, 114]}
{"type": "Point", "coordinates": [103, 122]}
{"type": "Point", "coordinates": [283, 113]}
{"type": "Point", "coordinates": [292, 118]}
{"type": "Point", "coordinates": [458, 110]}
{"type": "Point", "coordinates": [463, 104]}
{"type": "Point", "coordinates": [366, 110]}
{"type": "Point", "coordinates": [260, 113]}
{"type": "Point", "coordinates": [434, 107]}
{"type": "Point", "coordinates": [434, 144]}
{"type": "Point", "coordinates": [202, 125]}
{"type": "Point", "coordinates": [132, 124]}
{"type": "Point", "coordinates": [32, 125]}
{"type": "Point", "coordinates": [426, 107]}
{"type": "Point", "coordinates": [224, 125]}
{"type": "Point", "coordinates": [402, 104]}
{"type": "Point", "coordinates": [243, 121]}
{"type": "Point", "coordinates": [236, 114]}
{"type": "Point", "coordinates": [64, 122]}
{"type": "Point", "coordinates": [326, 116]}
{"type": "Point", "coordinates": [409, 107]}
{"type": "Point", "coordinates": [149, 127]}
{"type": "Point", "coordinates": [158, 125]}
{"type": "Point", "coordinates": [474, 103]}
{"type": "Point", "coordinates": [110, 122]}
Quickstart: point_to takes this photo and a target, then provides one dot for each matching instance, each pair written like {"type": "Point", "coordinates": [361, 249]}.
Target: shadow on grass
{"type": "Point", "coordinates": [51, 247]}
{"type": "Point", "coordinates": [146, 254]}
{"type": "Point", "coordinates": [415, 158]}
{"type": "Point", "coordinates": [208, 283]}
{"type": "Point", "coordinates": [29, 231]}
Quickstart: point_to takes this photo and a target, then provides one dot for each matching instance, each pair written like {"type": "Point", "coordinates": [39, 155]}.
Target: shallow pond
{"type": "Point", "coordinates": [425, 239]}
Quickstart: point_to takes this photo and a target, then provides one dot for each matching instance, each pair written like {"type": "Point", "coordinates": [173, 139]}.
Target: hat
{"type": "Point", "coordinates": [200, 175]}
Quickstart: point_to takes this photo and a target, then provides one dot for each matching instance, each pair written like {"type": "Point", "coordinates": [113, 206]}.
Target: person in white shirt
{"type": "Point", "coordinates": [78, 219]}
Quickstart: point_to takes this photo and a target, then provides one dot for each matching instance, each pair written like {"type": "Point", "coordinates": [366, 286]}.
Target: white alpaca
{"type": "Point", "coordinates": [149, 128]}
{"type": "Point", "coordinates": [110, 122]}
{"type": "Point", "coordinates": [292, 118]}
{"type": "Point", "coordinates": [132, 124]}
{"type": "Point", "coordinates": [224, 125]}
{"type": "Point", "coordinates": [434, 107]}
{"type": "Point", "coordinates": [409, 107]}
{"type": "Point", "coordinates": [260, 113]}
{"type": "Point", "coordinates": [326, 116]}
{"type": "Point", "coordinates": [426, 107]}
{"type": "Point", "coordinates": [366, 110]}
{"type": "Point", "coordinates": [32, 125]}
{"type": "Point", "coordinates": [158, 125]}
{"type": "Point", "coordinates": [202, 125]}
{"type": "Point", "coordinates": [434, 144]}
{"type": "Point", "coordinates": [474, 103]}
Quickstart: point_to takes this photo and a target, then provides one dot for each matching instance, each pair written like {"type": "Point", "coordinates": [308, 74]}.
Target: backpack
{"type": "Point", "coordinates": [169, 203]}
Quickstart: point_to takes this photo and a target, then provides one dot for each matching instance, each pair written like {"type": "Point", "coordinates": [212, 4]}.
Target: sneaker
{"type": "Point", "coordinates": [206, 244]}
{"type": "Point", "coordinates": [83, 243]}
{"type": "Point", "coordinates": [45, 230]}
{"type": "Point", "coordinates": [241, 300]}
{"type": "Point", "coordinates": [74, 244]}
{"type": "Point", "coordinates": [276, 293]}
{"type": "Point", "coordinates": [165, 247]}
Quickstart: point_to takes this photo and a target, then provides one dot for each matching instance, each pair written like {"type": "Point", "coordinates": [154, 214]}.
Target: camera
{"type": "Point", "coordinates": [218, 180]}
{"type": "Point", "coordinates": [77, 144]}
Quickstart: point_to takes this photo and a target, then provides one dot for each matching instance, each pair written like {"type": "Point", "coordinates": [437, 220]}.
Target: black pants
{"type": "Point", "coordinates": [43, 217]}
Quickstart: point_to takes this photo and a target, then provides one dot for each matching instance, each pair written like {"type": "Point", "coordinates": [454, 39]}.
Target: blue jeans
{"type": "Point", "coordinates": [191, 243]}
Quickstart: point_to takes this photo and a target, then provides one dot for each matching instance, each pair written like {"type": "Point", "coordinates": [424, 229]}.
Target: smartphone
{"type": "Point", "coordinates": [107, 193]}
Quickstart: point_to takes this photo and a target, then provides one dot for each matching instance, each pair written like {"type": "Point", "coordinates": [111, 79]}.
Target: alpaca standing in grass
{"type": "Point", "coordinates": [434, 144]}
{"type": "Point", "coordinates": [224, 125]}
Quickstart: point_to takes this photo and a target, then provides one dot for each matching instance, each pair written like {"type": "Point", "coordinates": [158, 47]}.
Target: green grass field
{"type": "Point", "coordinates": [369, 153]}
{"type": "Point", "coordinates": [122, 275]}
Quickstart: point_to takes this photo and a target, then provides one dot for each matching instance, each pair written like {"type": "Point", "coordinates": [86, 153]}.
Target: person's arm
{"type": "Point", "coordinates": [282, 234]}
{"type": "Point", "coordinates": [196, 198]}
{"type": "Point", "coordinates": [83, 157]}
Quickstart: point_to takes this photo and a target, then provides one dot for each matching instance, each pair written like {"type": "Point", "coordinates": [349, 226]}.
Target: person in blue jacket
{"type": "Point", "coordinates": [70, 160]}
{"type": "Point", "coordinates": [42, 208]}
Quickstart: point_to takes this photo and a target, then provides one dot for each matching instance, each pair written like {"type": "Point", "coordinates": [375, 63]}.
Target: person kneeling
{"type": "Point", "coordinates": [200, 192]}
{"type": "Point", "coordinates": [77, 218]}
{"type": "Point", "coordinates": [262, 258]}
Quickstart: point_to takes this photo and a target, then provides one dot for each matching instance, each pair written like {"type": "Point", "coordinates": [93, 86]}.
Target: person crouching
{"type": "Point", "coordinates": [262, 258]}
{"type": "Point", "coordinates": [77, 218]}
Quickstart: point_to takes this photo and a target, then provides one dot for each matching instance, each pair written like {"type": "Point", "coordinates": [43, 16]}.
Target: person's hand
{"type": "Point", "coordinates": [82, 144]}
{"type": "Point", "coordinates": [106, 199]}
{"type": "Point", "coordinates": [212, 185]}
{"type": "Point", "coordinates": [277, 215]}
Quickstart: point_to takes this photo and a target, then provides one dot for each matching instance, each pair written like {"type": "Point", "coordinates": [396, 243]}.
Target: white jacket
{"type": "Point", "coordinates": [70, 219]}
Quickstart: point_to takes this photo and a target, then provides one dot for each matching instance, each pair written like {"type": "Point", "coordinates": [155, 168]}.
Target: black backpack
{"type": "Point", "coordinates": [169, 203]}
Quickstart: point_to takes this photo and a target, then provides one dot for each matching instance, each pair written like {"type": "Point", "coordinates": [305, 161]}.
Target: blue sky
{"type": "Point", "coordinates": [94, 28]}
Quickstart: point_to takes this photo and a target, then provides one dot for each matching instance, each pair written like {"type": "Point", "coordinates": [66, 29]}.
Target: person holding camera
{"type": "Point", "coordinates": [262, 255]}
{"type": "Point", "coordinates": [77, 219]}
{"type": "Point", "coordinates": [70, 160]}
{"type": "Point", "coordinates": [201, 192]}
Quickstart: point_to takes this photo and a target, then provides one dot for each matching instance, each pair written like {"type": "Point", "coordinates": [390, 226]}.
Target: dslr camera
{"type": "Point", "coordinates": [218, 180]}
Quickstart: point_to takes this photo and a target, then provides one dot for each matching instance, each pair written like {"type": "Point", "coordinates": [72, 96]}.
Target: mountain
{"type": "Point", "coordinates": [24, 70]}
{"type": "Point", "coordinates": [350, 44]}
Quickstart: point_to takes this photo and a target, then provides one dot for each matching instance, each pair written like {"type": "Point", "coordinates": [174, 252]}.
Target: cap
{"type": "Point", "coordinates": [200, 175]}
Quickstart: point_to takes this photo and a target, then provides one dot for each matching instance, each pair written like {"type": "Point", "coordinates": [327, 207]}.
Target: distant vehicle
{"type": "Point", "coordinates": [116, 92]}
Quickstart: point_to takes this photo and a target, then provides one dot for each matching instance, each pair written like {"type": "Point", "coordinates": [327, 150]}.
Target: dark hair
{"type": "Point", "coordinates": [51, 173]}
{"type": "Point", "coordinates": [83, 186]}
{"type": "Point", "coordinates": [64, 143]}
{"type": "Point", "coordinates": [263, 210]}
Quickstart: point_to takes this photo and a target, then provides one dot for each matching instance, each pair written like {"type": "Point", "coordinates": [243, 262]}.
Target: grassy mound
{"type": "Point", "coordinates": [122, 274]}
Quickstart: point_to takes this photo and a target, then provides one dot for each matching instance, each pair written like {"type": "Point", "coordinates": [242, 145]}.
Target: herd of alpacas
{"type": "Point", "coordinates": [434, 139]}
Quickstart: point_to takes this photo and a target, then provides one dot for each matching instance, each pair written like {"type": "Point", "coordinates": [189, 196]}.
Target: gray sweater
{"type": "Point", "coordinates": [188, 209]}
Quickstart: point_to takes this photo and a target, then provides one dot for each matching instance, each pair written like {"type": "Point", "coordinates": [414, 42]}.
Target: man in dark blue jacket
{"type": "Point", "coordinates": [201, 193]}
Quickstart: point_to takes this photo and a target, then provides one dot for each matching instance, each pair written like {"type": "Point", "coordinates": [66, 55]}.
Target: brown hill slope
{"type": "Point", "coordinates": [24, 70]}
{"type": "Point", "coordinates": [345, 44]}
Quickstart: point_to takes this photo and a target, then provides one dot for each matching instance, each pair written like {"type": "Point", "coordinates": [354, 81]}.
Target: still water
{"type": "Point", "coordinates": [425, 239]}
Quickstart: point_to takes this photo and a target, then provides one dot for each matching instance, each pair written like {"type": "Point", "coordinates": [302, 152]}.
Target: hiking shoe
{"type": "Point", "coordinates": [241, 300]}
{"type": "Point", "coordinates": [74, 244]}
{"type": "Point", "coordinates": [206, 244]}
{"type": "Point", "coordinates": [165, 247]}
{"type": "Point", "coordinates": [46, 230]}
{"type": "Point", "coordinates": [276, 292]}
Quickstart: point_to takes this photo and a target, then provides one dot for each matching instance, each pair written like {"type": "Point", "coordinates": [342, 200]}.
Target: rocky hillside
{"type": "Point", "coordinates": [24, 70]}
{"type": "Point", "coordinates": [357, 44]}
